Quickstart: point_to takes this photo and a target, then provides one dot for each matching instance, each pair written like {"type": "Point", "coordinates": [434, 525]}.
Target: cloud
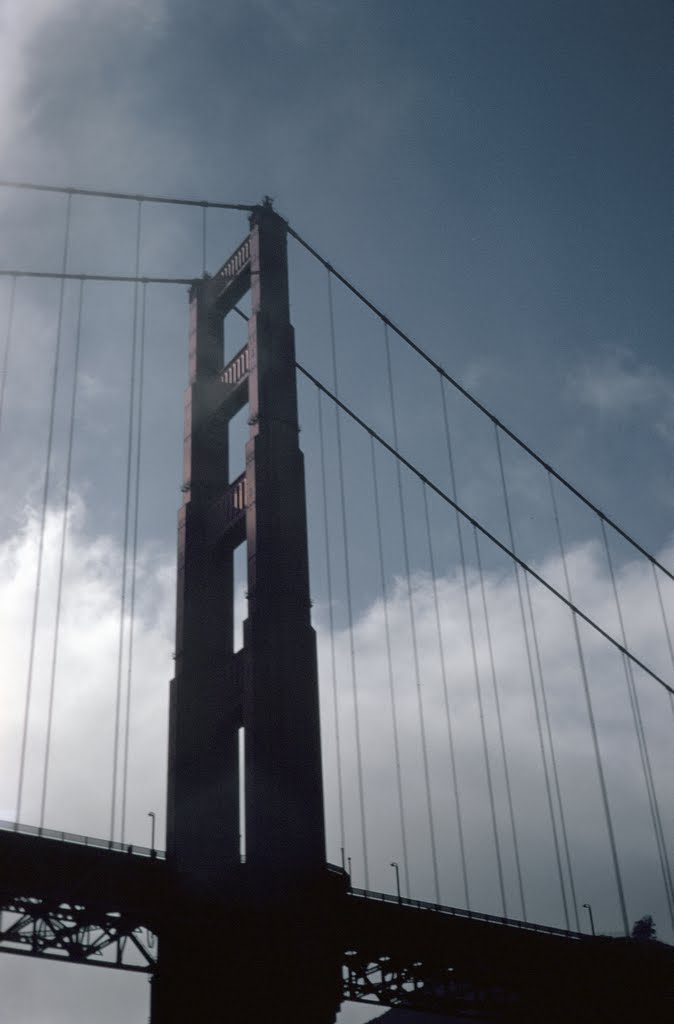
{"type": "Point", "coordinates": [331, 114]}
{"type": "Point", "coordinates": [619, 385]}
{"type": "Point", "coordinates": [69, 81]}
{"type": "Point", "coordinates": [79, 787]}
{"type": "Point", "coordinates": [84, 710]}
{"type": "Point", "coordinates": [86, 678]}
{"type": "Point", "coordinates": [24, 28]}
{"type": "Point", "coordinates": [296, 19]}
{"type": "Point", "coordinates": [569, 727]}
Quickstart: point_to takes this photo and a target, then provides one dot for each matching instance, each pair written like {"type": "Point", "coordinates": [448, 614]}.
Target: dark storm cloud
{"type": "Point", "coordinates": [493, 175]}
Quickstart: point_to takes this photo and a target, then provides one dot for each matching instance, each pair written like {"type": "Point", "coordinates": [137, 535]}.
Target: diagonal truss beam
{"type": "Point", "coordinates": [75, 933]}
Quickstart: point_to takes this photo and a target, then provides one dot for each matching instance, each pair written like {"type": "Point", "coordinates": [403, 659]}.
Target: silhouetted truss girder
{"type": "Point", "coordinates": [74, 933]}
{"type": "Point", "coordinates": [415, 985]}
{"type": "Point", "coordinates": [424, 959]}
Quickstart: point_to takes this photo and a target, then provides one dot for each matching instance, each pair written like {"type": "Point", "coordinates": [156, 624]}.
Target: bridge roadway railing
{"type": "Point", "coordinates": [80, 840]}
{"type": "Point", "coordinates": [470, 915]}
{"type": "Point", "coordinates": [145, 851]}
{"type": "Point", "coordinates": [430, 958]}
{"type": "Point", "coordinates": [65, 896]}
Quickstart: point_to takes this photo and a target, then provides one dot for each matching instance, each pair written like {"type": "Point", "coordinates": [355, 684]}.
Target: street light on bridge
{"type": "Point", "coordinates": [589, 910]}
{"type": "Point", "coordinates": [394, 865]}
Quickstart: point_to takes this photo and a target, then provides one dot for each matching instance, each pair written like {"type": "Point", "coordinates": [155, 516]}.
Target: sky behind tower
{"type": "Point", "coordinates": [495, 177]}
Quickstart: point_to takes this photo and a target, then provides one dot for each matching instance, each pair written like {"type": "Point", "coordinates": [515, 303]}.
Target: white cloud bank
{"type": "Point", "coordinates": [86, 680]}
{"type": "Point", "coordinates": [570, 732]}
{"type": "Point", "coordinates": [80, 774]}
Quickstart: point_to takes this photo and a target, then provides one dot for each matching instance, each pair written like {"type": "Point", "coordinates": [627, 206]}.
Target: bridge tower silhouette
{"type": "Point", "coordinates": [267, 692]}
{"type": "Point", "coordinates": [251, 922]}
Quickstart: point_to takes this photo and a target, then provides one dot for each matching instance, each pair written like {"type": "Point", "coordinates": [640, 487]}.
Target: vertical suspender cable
{"type": "Point", "coordinates": [204, 214]}
{"type": "Point", "coordinates": [590, 715]}
{"type": "Point", "coordinates": [62, 553]}
{"type": "Point", "coordinates": [43, 513]}
{"type": "Point", "coordinates": [476, 670]}
{"type": "Point", "coordinates": [389, 659]}
{"type": "Point", "coordinates": [443, 674]}
{"type": "Point", "coordinates": [485, 744]}
{"type": "Point", "coordinates": [347, 574]}
{"type": "Point", "coordinates": [8, 342]}
{"type": "Point", "coordinates": [553, 755]}
{"type": "Point", "coordinates": [331, 614]}
{"type": "Point", "coordinates": [413, 626]}
{"type": "Point", "coordinates": [532, 679]}
{"type": "Point", "coordinates": [668, 634]}
{"type": "Point", "coordinates": [641, 738]}
{"type": "Point", "coordinates": [125, 544]}
{"type": "Point", "coordinates": [134, 559]}
{"type": "Point", "coordinates": [450, 731]}
{"type": "Point", "coordinates": [499, 719]}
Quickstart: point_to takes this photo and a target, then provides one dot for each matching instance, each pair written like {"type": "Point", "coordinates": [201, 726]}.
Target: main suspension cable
{"type": "Point", "coordinates": [133, 196]}
{"type": "Point", "coordinates": [248, 207]}
{"type": "Point", "coordinates": [43, 514]}
{"type": "Point", "coordinates": [484, 531]}
{"type": "Point", "coordinates": [474, 401]}
{"type": "Point", "coordinates": [54, 275]}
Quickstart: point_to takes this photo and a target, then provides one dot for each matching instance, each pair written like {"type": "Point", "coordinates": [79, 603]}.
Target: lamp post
{"type": "Point", "coordinates": [589, 910]}
{"type": "Point", "coordinates": [397, 871]}
{"type": "Point", "coordinates": [151, 815]}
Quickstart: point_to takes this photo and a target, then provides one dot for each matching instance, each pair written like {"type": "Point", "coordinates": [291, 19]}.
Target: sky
{"type": "Point", "coordinates": [495, 177]}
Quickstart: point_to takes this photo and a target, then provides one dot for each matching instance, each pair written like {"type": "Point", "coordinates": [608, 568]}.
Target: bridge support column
{"type": "Point", "coordinates": [245, 941]}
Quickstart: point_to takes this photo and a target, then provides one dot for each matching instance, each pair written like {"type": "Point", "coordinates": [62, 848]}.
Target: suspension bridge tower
{"type": "Point", "coordinates": [252, 923]}
{"type": "Point", "coordinates": [246, 936]}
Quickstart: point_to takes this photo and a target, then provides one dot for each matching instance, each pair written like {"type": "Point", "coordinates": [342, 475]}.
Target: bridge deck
{"type": "Point", "coordinates": [65, 896]}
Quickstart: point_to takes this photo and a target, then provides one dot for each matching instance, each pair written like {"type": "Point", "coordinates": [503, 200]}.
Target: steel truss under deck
{"type": "Point", "coordinates": [392, 952]}
{"type": "Point", "coordinates": [52, 930]}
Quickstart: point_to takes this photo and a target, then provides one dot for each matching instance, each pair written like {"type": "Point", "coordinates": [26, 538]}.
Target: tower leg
{"type": "Point", "coordinates": [257, 941]}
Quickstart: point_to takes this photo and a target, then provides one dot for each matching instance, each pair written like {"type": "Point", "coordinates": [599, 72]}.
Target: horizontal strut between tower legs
{"type": "Point", "coordinates": [230, 283]}
{"type": "Point", "coordinates": [73, 933]}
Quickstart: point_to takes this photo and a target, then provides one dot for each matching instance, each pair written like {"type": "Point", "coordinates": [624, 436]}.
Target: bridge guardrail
{"type": "Point", "coordinates": [383, 897]}
{"type": "Point", "coordinates": [80, 840]}
{"type": "Point", "coordinates": [466, 914]}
